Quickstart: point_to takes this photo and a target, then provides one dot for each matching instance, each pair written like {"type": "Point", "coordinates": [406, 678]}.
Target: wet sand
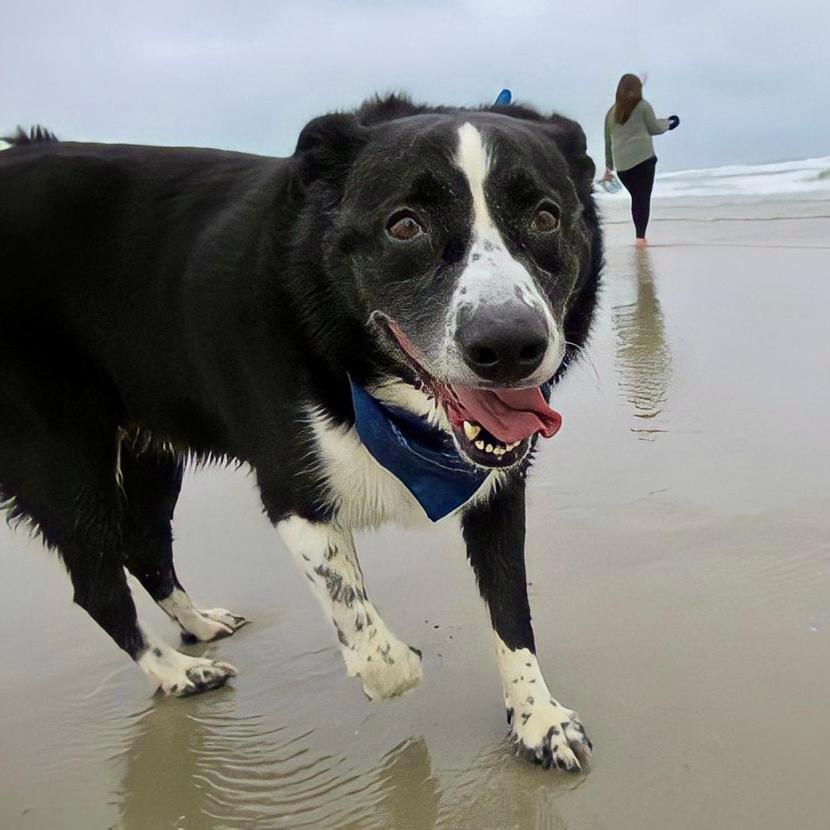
{"type": "Point", "coordinates": [679, 554]}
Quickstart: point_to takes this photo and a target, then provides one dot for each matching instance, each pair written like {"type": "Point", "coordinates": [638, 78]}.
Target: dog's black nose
{"type": "Point", "coordinates": [503, 344]}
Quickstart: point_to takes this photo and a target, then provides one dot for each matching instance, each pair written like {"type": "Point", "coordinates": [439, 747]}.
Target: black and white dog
{"type": "Point", "coordinates": [371, 325]}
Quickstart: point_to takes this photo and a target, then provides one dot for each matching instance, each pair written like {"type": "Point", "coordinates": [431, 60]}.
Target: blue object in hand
{"type": "Point", "coordinates": [673, 121]}
{"type": "Point", "coordinates": [503, 98]}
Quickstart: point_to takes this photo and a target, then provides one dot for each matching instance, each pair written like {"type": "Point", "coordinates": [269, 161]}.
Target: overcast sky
{"type": "Point", "coordinates": [750, 79]}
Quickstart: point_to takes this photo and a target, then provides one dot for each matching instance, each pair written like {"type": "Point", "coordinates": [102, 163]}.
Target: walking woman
{"type": "Point", "coordinates": [629, 126]}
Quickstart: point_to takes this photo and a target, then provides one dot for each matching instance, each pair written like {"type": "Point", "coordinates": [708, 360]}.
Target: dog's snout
{"type": "Point", "coordinates": [504, 344]}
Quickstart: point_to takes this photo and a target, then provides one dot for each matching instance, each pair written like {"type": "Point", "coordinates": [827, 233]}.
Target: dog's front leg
{"type": "Point", "coordinates": [544, 730]}
{"type": "Point", "coordinates": [386, 666]}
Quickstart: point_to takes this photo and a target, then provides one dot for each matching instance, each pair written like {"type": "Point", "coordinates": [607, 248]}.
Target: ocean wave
{"type": "Point", "coordinates": [808, 176]}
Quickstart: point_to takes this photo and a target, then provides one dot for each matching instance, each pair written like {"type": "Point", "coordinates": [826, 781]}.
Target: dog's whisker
{"type": "Point", "coordinates": [582, 355]}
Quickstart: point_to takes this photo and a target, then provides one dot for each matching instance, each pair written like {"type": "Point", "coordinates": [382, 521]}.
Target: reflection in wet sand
{"type": "Point", "coordinates": [643, 357]}
{"type": "Point", "coordinates": [214, 767]}
{"type": "Point", "coordinates": [162, 760]}
{"type": "Point", "coordinates": [409, 790]}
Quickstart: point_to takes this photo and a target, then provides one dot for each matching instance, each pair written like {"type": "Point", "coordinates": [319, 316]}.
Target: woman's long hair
{"type": "Point", "coordinates": [629, 94]}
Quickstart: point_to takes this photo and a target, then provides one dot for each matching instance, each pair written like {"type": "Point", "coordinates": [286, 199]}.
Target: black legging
{"type": "Point", "coordinates": [638, 181]}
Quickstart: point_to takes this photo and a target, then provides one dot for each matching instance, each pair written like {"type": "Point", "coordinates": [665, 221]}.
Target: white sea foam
{"type": "Point", "coordinates": [807, 176]}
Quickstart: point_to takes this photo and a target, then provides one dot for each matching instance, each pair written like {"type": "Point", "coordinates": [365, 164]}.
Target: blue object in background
{"type": "Point", "coordinates": [422, 457]}
{"type": "Point", "coordinates": [503, 98]}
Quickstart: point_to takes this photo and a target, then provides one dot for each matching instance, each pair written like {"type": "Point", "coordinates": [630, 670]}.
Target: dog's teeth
{"type": "Point", "coordinates": [480, 444]}
{"type": "Point", "coordinates": [488, 448]}
{"type": "Point", "coordinates": [499, 451]}
{"type": "Point", "coordinates": [471, 430]}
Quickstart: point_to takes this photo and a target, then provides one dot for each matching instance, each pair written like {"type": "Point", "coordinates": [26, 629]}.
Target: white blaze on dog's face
{"type": "Point", "coordinates": [494, 284]}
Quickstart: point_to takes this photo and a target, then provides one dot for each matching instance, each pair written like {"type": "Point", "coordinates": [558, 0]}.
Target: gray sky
{"type": "Point", "coordinates": [750, 80]}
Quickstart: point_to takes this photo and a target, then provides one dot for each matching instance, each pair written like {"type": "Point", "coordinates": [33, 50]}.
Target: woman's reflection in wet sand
{"type": "Point", "coordinates": [643, 357]}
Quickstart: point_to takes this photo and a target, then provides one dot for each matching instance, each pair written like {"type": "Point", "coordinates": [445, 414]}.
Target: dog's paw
{"type": "Point", "coordinates": [208, 674]}
{"type": "Point", "coordinates": [209, 624]}
{"type": "Point", "coordinates": [549, 734]}
{"type": "Point", "coordinates": [387, 667]}
{"type": "Point", "coordinates": [176, 674]}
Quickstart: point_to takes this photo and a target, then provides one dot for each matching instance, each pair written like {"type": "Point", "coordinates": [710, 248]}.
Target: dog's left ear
{"type": "Point", "coordinates": [328, 146]}
{"type": "Point", "coordinates": [570, 138]}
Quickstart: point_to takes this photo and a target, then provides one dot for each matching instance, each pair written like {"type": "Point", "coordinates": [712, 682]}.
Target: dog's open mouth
{"type": "Point", "coordinates": [492, 427]}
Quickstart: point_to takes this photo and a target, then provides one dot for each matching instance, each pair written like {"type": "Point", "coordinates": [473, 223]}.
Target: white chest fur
{"type": "Point", "coordinates": [363, 493]}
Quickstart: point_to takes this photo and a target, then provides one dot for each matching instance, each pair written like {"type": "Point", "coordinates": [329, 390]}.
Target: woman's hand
{"type": "Point", "coordinates": [673, 121]}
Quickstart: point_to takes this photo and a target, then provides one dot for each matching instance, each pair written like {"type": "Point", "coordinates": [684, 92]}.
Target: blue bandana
{"type": "Point", "coordinates": [422, 457]}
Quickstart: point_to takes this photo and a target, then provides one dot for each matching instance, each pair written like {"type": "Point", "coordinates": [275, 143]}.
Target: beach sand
{"type": "Point", "coordinates": [679, 555]}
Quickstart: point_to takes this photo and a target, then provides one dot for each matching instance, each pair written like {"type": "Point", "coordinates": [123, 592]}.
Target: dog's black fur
{"type": "Point", "coordinates": [160, 304]}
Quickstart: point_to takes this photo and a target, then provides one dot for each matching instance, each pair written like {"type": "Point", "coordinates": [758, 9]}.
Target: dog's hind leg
{"type": "Point", "coordinates": [386, 666]}
{"type": "Point", "coordinates": [151, 481]}
{"type": "Point", "coordinates": [58, 452]}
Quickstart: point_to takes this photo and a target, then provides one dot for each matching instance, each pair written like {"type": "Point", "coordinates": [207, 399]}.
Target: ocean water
{"type": "Point", "coordinates": [809, 178]}
{"type": "Point", "coordinates": [791, 198]}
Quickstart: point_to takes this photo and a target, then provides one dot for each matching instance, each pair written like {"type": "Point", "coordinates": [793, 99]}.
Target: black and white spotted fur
{"type": "Point", "coordinates": [166, 304]}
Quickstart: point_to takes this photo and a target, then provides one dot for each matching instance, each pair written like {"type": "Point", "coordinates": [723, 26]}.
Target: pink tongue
{"type": "Point", "coordinates": [508, 414]}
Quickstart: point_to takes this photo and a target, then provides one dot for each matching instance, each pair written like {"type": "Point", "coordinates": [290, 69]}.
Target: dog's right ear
{"type": "Point", "coordinates": [570, 138]}
{"type": "Point", "coordinates": [328, 146]}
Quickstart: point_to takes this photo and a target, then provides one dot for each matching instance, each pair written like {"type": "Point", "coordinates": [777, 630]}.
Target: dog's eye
{"type": "Point", "coordinates": [546, 219]}
{"type": "Point", "coordinates": [404, 227]}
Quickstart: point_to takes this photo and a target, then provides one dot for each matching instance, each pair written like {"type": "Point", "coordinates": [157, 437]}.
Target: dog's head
{"type": "Point", "coordinates": [464, 237]}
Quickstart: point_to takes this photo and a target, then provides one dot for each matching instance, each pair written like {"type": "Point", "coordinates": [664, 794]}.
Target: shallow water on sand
{"type": "Point", "coordinates": [679, 555]}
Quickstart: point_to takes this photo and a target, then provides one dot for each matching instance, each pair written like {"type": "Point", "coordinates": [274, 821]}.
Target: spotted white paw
{"type": "Point", "coordinates": [180, 674]}
{"type": "Point", "coordinates": [386, 666]}
{"type": "Point", "coordinates": [210, 624]}
{"type": "Point", "coordinates": [549, 734]}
